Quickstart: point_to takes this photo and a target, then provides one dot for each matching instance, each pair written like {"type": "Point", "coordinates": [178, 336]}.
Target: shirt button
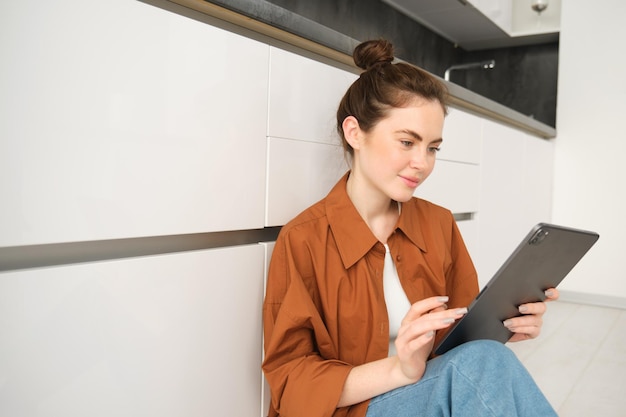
{"type": "Point", "coordinates": [398, 258]}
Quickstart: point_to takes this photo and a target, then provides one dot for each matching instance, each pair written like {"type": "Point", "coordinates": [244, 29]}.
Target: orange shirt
{"type": "Point", "coordinates": [324, 310]}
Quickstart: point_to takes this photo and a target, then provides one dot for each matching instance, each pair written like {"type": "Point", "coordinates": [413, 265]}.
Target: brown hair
{"type": "Point", "coordinates": [382, 86]}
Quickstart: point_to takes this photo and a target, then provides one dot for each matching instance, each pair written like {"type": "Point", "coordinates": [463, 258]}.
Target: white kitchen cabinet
{"type": "Point", "coordinates": [462, 133]}
{"type": "Point", "coordinates": [453, 185]}
{"type": "Point", "coordinates": [516, 172]}
{"type": "Point", "coordinates": [538, 180]}
{"type": "Point", "coordinates": [455, 181]}
{"type": "Point", "coordinates": [169, 335]}
{"type": "Point", "coordinates": [502, 172]}
{"type": "Point", "coordinates": [110, 131]}
{"type": "Point", "coordinates": [304, 96]}
{"type": "Point", "coordinates": [456, 186]}
{"type": "Point", "coordinates": [299, 174]}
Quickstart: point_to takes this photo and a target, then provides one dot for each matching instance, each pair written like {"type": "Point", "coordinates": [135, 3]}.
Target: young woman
{"type": "Point", "coordinates": [334, 344]}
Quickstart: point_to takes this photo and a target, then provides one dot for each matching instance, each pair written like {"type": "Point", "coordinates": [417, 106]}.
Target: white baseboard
{"type": "Point", "coordinates": [592, 299]}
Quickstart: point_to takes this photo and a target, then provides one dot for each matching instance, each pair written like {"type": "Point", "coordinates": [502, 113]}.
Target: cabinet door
{"type": "Point", "coordinates": [170, 335]}
{"type": "Point", "coordinates": [502, 196]}
{"type": "Point", "coordinates": [110, 131]}
{"type": "Point", "coordinates": [299, 173]}
{"type": "Point", "coordinates": [453, 185]}
{"type": "Point", "coordinates": [304, 96]}
{"type": "Point", "coordinates": [462, 133]}
{"type": "Point", "coordinates": [455, 181]}
{"type": "Point", "coordinates": [538, 180]}
{"type": "Point", "coordinates": [516, 192]}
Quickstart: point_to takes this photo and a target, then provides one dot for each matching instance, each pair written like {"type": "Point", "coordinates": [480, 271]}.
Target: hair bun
{"type": "Point", "coordinates": [370, 53]}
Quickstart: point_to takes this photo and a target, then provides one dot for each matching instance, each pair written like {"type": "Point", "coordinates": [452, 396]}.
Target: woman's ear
{"type": "Point", "coordinates": [352, 131]}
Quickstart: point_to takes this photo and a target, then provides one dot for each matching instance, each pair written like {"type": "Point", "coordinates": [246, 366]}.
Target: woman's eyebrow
{"type": "Point", "coordinates": [409, 132]}
{"type": "Point", "coordinates": [417, 136]}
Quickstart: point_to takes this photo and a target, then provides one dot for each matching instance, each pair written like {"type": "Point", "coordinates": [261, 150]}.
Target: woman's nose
{"type": "Point", "coordinates": [418, 159]}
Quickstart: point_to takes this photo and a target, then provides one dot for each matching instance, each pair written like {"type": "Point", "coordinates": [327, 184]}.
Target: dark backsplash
{"type": "Point", "coordinates": [524, 77]}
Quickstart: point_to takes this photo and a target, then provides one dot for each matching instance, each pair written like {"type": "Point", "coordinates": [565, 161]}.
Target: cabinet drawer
{"type": "Point", "coordinates": [168, 335]}
{"type": "Point", "coordinates": [298, 175]}
{"type": "Point", "coordinates": [462, 134]}
{"type": "Point", "coordinates": [150, 135]}
{"type": "Point", "coordinates": [304, 96]}
{"type": "Point", "coordinates": [453, 185]}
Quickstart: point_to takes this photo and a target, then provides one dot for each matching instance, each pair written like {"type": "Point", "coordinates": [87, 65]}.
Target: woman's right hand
{"type": "Point", "coordinates": [415, 339]}
{"type": "Point", "coordinates": [413, 344]}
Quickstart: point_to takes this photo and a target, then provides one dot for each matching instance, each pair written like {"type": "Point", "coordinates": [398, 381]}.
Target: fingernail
{"type": "Point", "coordinates": [460, 311]}
{"type": "Point", "coordinates": [448, 320]}
{"type": "Point", "coordinates": [443, 299]}
{"type": "Point", "coordinates": [430, 333]}
{"type": "Point", "coordinates": [549, 293]}
{"type": "Point", "coordinates": [523, 309]}
{"type": "Point", "coordinates": [507, 323]}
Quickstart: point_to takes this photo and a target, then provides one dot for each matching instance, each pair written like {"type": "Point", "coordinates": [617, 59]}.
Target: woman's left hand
{"type": "Point", "coordinates": [528, 326]}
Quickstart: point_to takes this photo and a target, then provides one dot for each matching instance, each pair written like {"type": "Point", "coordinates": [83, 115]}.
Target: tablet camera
{"type": "Point", "coordinates": [538, 237]}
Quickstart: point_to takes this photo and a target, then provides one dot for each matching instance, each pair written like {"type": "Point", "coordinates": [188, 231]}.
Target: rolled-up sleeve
{"type": "Point", "coordinates": [300, 364]}
{"type": "Point", "coordinates": [462, 279]}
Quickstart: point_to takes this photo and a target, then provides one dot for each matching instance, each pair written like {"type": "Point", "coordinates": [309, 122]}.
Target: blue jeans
{"type": "Point", "coordinates": [482, 378]}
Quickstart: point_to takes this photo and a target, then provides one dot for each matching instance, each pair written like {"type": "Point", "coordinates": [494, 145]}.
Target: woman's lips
{"type": "Point", "coordinates": [411, 182]}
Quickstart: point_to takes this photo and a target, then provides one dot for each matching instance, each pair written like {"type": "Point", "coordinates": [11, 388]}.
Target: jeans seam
{"type": "Point", "coordinates": [473, 385]}
{"type": "Point", "coordinates": [391, 394]}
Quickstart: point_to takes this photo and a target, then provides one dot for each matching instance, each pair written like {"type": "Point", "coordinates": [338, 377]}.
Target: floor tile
{"type": "Point", "coordinates": [571, 339]}
{"type": "Point", "coordinates": [558, 312]}
{"type": "Point", "coordinates": [600, 388]}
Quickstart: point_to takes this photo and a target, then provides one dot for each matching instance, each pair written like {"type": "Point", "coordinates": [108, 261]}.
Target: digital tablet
{"type": "Point", "coordinates": [541, 261]}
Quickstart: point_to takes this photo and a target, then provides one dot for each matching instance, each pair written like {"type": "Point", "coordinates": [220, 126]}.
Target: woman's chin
{"type": "Point", "coordinates": [403, 197]}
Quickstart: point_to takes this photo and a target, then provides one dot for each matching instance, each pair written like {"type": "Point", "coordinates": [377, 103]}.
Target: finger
{"type": "Point", "coordinates": [409, 345]}
{"type": "Point", "coordinates": [533, 308]}
{"type": "Point", "coordinates": [530, 332]}
{"type": "Point", "coordinates": [429, 323]}
{"type": "Point", "coordinates": [417, 343]}
{"type": "Point", "coordinates": [438, 309]}
{"type": "Point", "coordinates": [424, 306]}
{"type": "Point", "coordinates": [552, 294]}
{"type": "Point", "coordinates": [518, 337]}
{"type": "Point", "coordinates": [524, 324]}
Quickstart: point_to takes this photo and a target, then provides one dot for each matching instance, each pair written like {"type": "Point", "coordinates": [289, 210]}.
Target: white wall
{"type": "Point", "coordinates": [591, 143]}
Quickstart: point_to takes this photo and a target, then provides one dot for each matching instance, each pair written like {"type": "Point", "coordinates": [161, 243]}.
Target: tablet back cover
{"type": "Point", "coordinates": [541, 261]}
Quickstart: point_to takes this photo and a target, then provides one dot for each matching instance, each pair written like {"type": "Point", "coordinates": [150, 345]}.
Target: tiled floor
{"type": "Point", "coordinates": [579, 360]}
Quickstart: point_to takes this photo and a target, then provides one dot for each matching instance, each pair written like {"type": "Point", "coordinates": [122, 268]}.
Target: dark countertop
{"type": "Point", "coordinates": [270, 20]}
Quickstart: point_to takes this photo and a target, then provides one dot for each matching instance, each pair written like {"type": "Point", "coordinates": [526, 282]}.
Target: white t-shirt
{"type": "Point", "coordinates": [395, 298]}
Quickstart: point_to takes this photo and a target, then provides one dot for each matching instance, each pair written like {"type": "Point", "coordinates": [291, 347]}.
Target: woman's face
{"type": "Point", "coordinates": [399, 153]}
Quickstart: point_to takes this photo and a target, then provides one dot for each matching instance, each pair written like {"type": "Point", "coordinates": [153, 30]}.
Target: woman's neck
{"type": "Point", "coordinates": [379, 212]}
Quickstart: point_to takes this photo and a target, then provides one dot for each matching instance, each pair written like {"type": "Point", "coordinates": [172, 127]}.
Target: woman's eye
{"type": "Point", "coordinates": [406, 143]}
{"type": "Point", "coordinates": [434, 149]}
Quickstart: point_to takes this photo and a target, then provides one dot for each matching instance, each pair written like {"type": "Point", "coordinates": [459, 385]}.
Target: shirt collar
{"type": "Point", "coordinates": [353, 236]}
{"type": "Point", "coordinates": [411, 221]}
